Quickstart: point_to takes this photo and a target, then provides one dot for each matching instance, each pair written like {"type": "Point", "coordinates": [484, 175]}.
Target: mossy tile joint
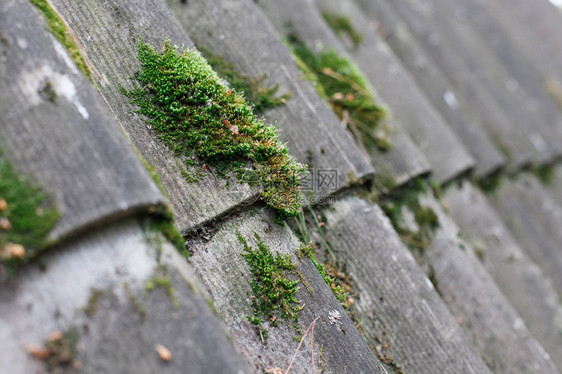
{"type": "Point", "coordinates": [344, 87]}
{"type": "Point", "coordinates": [425, 218]}
{"type": "Point", "coordinates": [342, 25]}
{"type": "Point", "coordinates": [194, 112]}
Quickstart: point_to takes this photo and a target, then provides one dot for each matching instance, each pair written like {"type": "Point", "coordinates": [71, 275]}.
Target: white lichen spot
{"type": "Point", "coordinates": [22, 43]}
{"type": "Point", "coordinates": [451, 100]}
{"type": "Point", "coordinates": [334, 317]}
{"type": "Point", "coordinates": [518, 324]}
{"type": "Point", "coordinates": [32, 82]}
{"type": "Point", "coordinates": [61, 51]}
{"type": "Point", "coordinates": [66, 88]}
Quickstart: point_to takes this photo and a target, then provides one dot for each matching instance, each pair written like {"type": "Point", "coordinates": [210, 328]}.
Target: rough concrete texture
{"type": "Point", "coordinates": [521, 280]}
{"type": "Point", "coordinates": [95, 287]}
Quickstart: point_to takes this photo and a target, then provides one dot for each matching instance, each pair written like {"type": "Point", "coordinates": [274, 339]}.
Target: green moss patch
{"type": "Point", "coordinates": [342, 26]}
{"type": "Point", "coordinates": [545, 173]}
{"type": "Point", "coordinates": [274, 294]}
{"type": "Point", "coordinates": [261, 97]}
{"type": "Point", "coordinates": [346, 90]}
{"type": "Point", "coordinates": [93, 303]}
{"type": "Point", "coordinates": [161, 219]}
{"type": "Point", "coordinates": [60, 31]}
{"type": "Point", "coordinates": [491, 183]}
{"type": "Point", "coordinates": [425, 218]}
{"type": "Point", "coordinates": [25, 217]}
{"type": "Point", "coordinates": [194, 112]}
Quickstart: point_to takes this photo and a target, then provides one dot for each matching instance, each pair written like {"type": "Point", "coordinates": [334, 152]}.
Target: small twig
{"type": "Point", "coordinates": [312, 346]}
{"type": "Point", "coordinates": [312, 324]}
{"type": "Point", "coordinates": [357, 135]}
{"type": "Point", "coordinates": [344, 118]}
{"type": "Point", "coordinates": [408, 240]}
{"type": "Point", "coordinates": [332, 74]}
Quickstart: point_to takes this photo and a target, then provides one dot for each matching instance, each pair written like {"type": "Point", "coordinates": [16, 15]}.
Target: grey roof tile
{"type": "Point", "coordinates": [522, 77]}
{"type": "Point", "coordinates": [397, 306]}
{"type": "Point", "coordinates": [535, 220]}
{"type": "Point", "coordinates": [539, 22]}
{"type": "Point", "coordinates": [425, 125]}
{"type": "Point", "coordinates": [482, 81]}
{"type": "Point", "coordinates": [95, 286]}
{"type": "Point", "coordinates": [520, 279]}
{"type": "Point", "coordinates": [467, 123]}
{"type": "Point", "coordinates": [487, 317]}
{"type": "Point", "coordinates": [67, 141]}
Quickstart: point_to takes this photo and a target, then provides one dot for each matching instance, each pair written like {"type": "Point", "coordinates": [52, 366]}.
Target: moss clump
{"type": "Point", "coordinates": [59, 30]}
{"type": "Point", "coordinates": [346, 90]}
{"type": "Point", "coordinates": [193, 112]}
{"type": "Point", "coordinates": [342, 26]}
{"type": "Point", "coordinates": [136, 304]}
{"type": "Point", "coordinates": [545, 173]}
{"type": "Point", "coordinates": [93, 302]}
{"type": "Point", "coordinates": [491, 183]}
{"type": "Point", "coordinates": [163, 281]}
{"type": "Point", "coordinates": [260, 96]}
{"type": "Point", "coordinates": [274, 295]}
{"type": "Point", "coordinates": [425, 218]}
{"type": "Point", "coordinates": [161, 219]}
{"type": "Point", "coordinates": [59, 352]}
{"type": "Point", "coordinates": [25, 218]}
